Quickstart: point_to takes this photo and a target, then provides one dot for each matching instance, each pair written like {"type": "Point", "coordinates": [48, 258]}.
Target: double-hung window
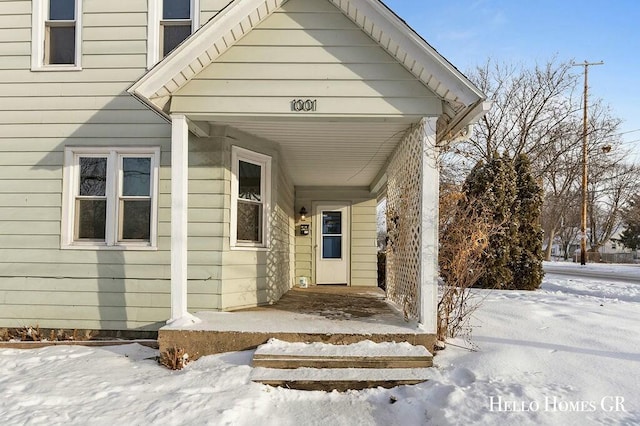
{"type": "Point", "coordinates": [110, 198]}
{"type": "Point", "coordinates": [250, 195]}
{"type": "Point", "coordinates": [170, 23]}
{"type": "Point", "coordinates": [56, 32]}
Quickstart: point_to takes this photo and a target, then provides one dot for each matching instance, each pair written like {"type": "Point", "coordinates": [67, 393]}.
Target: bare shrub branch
{"type": "Point", "coordinates": [465, 232]}
{"type": "Point", "coordinates": [174, 358]}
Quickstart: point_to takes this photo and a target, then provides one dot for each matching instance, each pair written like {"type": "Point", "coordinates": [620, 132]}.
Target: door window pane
{"type": "Point", "coordinates": [249, 175]}
{"type": "Point", "coordinates": [136, 177]}
{"type": "Point", "coordinates": [331, 247]}
{"type": "Point", "coordinates": [332, 223]}
{"type": "Point", "coordinates": [176, 9]}
{"type": "Point", "coordinates": [62, 10]}
{"type": "Point", "coordinates": [173, 35]}
{"type": "Point", "coordinates": [91, 220]}
{"type": "Point", "coordinates": [93, 176]}
{"type": "Point", "coordinates": [249, 221]}
{"type": "Point", "coordinates": [136, 219]}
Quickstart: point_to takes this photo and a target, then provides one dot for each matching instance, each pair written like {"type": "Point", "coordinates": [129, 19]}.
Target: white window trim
{"type": "Point", "coordinates": [39, 13]}
{"type": "Point", "coordinates": [264, 161]}
{"type": "Point", "coordinates": [70, 176]}
{"type": "Point", "coordinates": [153, 28]}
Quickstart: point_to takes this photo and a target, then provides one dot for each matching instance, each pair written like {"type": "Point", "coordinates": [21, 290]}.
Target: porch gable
{"type": "Point", "coordinates": [306, 60]}
{"type": "Point", "coordinates": [461, 101]}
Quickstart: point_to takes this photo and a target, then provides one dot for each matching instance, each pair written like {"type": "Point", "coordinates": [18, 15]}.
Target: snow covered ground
{"type": "Point", "coordinates": [567, 354]}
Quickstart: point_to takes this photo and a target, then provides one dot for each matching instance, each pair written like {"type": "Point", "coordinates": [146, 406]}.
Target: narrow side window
{"type": "Point", "coordinates": [175, 25]}
{"type": "Point", "coordinates": [250, 202]}
{"type": "Point", "coordinates": [170, 23]}
{"type": "Point", "coordinates": [56, 33]}
{"type": "Point", "coordinates": [60, 33]}
{"type": "Point", "coordinates": [134, 198]}
{"type": "Point", "coordinates": [90, 199]}
{"type": "Point", "coordinates": [250, 192]}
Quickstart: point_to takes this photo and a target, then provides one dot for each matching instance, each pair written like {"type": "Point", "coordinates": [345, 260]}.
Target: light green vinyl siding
{"type": "Point", "coordinates": [43, 112]}
{"type": "Point", "coordinates": [251, 277]}
{"type": "Point", "coordinates": [209, 8]}
{"type": "Point", "coordinates": [363, 261]}
{"type": "Point", "coordinates": [293, 54]}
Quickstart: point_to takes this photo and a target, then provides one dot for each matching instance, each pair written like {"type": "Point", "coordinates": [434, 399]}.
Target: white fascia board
{"type": "Point", "coordinates": [197, 44]}
{"type": "Point", "coordinates": [465, 118]}
{"type": "Point", "coordinates": [416, 47]}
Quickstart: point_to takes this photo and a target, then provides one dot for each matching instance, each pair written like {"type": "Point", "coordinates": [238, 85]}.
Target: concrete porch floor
{"type": "Point", "coordinates": [338, 302]}
{"type": "Point", "coordinates": [329, 314]}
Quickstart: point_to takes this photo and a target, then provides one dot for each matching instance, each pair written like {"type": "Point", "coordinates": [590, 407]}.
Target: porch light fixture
{"type": "Point", "coordinates": [303, 214]}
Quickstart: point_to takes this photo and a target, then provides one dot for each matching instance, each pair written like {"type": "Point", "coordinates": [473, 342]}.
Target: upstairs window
{"type": "Point", "coordinates": [56, 34]}
{"type": "Point", "coordinates": [250, 194]}
{"type": "Point", "coordinates": [110, 198]}
{"type": "Point", "coordinates": [175, 25]}
{"type": "Point", "coordinates": [170, 23]}
{"type": "Point", "coordinates": [60, 33]}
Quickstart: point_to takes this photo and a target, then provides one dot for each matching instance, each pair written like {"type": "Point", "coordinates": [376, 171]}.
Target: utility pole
{"type": "Point", "coordinates": [583, 223]}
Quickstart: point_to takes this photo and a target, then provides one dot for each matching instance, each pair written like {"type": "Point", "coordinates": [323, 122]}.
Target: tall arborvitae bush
{"type": "Point", "coordinates": [494, 186]}
{"type": "Point", "coordinates": [513, 259]}
{"type": "Point", "coordinates": [490, 237]}
{"type": "Point", "coordinates": [526, 262]}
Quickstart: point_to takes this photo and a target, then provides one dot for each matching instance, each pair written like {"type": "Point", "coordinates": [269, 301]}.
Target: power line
{"type": "Point", "coordinates": [628, 131]}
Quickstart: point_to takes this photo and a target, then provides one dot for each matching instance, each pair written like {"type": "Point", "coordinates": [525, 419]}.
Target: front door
{"type": "Point", "coordinates": [332, 243]}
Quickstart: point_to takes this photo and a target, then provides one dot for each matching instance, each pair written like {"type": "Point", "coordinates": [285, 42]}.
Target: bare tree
{"type": "Point", "coordinates": [561, 173]}
{"type": "Point", "coordinates": [609, 193]}
{"type": "Point", "coordinates": [538, 111]}
{"type": "Point", "coordinates": [570, 228]}
{"type": "Point", "coordinates": [530, 108]}
{"type": "Point", "coordinates": [561, 179]}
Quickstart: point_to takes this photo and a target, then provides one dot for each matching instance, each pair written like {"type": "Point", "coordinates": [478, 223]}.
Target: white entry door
{"type": "Point", "coordinates": [332, 243]}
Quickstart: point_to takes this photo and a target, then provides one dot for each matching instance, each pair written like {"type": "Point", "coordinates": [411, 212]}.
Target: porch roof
{"type": "Point", "coordinates": [462, 101]}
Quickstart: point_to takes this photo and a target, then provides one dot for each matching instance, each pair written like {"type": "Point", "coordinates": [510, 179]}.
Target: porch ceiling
{"type": "Point", "coordinates": [330, 153]}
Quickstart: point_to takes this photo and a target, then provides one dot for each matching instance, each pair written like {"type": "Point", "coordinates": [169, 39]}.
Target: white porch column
{"type": "Point", "coordinates": [429, 191]}
{"type": "Point", "coordinates": [179, 208]}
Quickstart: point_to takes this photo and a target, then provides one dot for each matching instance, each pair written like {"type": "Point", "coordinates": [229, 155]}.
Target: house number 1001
{"type": "Point", "coordinates": [299, 105]}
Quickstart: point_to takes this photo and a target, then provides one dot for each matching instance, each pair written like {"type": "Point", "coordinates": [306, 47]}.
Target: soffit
{"type": "Point", "coordinates": [318, 153]}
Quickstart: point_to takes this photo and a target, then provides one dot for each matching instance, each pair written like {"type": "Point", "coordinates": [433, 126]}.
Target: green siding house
{"type": "Point", "coordinates": [163, 157]}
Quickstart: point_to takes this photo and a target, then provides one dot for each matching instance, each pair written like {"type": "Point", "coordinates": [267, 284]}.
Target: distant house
{"type": "Point", "coordinates": [613, 251]}
{"type": "Point", "coordinates": [165, 157]}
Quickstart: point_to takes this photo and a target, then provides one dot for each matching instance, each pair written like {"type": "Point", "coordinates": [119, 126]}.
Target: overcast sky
{"type": "Point", "coordinates": [467, 32]}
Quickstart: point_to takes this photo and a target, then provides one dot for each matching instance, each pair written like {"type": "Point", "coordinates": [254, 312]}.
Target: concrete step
{"type": "Point", "coordinates": [279, 354]}
{"type": "Point", "coordinates": [321, 366]}
{"type": "Point", "coordinates": [340, 379]}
